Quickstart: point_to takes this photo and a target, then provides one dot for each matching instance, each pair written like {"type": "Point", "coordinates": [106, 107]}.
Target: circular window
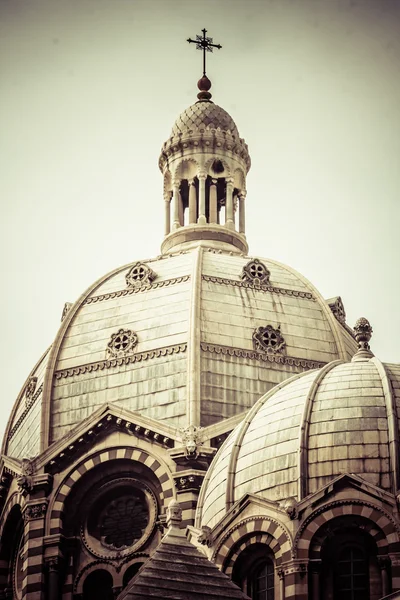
{"type": "Point", "coordinates": [121, 517]}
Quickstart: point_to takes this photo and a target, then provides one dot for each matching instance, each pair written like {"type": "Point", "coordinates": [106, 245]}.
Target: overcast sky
{"type": "Point", "coordinates": [89, 91]}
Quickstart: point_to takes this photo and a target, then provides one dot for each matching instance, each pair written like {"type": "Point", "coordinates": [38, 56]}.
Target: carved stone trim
{"type": "Point", "coordinates": [135, 290]}
{"type": "Point", "coordinates": [118, 362]}
{"type": "Point", "coordinates": [35, 511]}
{"type": "Point", "coordinates": [188, 482]}
{"type": "Point", "coordinates": [28, 407]}
{"type": "Point", "coordinates": [260, 288]}
{"type": "Point", "coordinates": [262, 356]}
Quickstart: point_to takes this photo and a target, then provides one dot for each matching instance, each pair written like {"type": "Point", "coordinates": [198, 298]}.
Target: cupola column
{"type": "Point", "coordinates": [176, 195]}
{"type": "Point", "coordinates": [180, 209]}
{"type": "Point", "coordinates": [242, 220]}
{"type": "Point", "coordinates": [202, 199]}
{"type": "Point", "coordinates": [213, 201]}
{"type": "Point", "coordinates": [229, 204]}
{"type": "Point", "coordinates": [192, 202]}
{"type": "Point", "coordinates": [167, 199]}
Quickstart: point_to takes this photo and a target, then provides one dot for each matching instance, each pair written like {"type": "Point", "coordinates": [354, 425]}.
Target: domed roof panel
{"type": "Point", "coordinates": [22, 438]}
{"type": "Point", "coordinates": [204, 114]}
{"type": "Point", "coordinates": [268, 454]}
{"type": "Point", "coordinates": [348, 427]}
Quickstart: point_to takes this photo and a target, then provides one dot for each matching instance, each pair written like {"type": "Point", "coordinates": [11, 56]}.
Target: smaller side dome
{"type": "Point", "coordinates": [305, 432]}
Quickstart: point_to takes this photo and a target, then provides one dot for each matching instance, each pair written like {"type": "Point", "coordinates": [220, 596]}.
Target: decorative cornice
{"type": "Point", "coordinates": [135, 290]}
{"type": "Point", "coordinates": [118, 362]}
{"type": "Point", "coordinates": [105, 424]}
{"type": "Point", "coordinates": [260, 288]}
{"type": "Point", "coordinates": [255, 355]}
{"type": "Point", "coordinates": [29, 403]}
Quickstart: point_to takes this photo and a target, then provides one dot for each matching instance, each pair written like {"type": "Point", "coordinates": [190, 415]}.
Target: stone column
{"type": "Point", "coordinates": [202, 199]}
{"type": "Point", "coordinates": [281, 575]}
{"type": "Point", "coordinates": [242, 221]}
{"type": "Point", "coordinates": [229, 222]}
{"type": "Point", "coordinates": [33, 586]}
{"type": "Point", "coordinates": [53, 578]}
{"type": "Point", "coordinates": [167, 199]}
{"type": "Point", "coordinates": [192, 202]}
{"type": "Point", "coordinates": [213, 201]}
{"type": "Point", "coordinates": [176, 195]}
{"type": "Point", "coordinates": [384, 564]}
{"type": "Point", "coordinates": [180, 210]}
{"type": "Point", "coordinates": [314, 568]}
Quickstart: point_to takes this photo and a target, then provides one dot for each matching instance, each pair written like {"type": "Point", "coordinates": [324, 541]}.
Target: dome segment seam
{"type": "Point", "coordinates": [305, 426]}
{"type": "Point", "coordinates": [231, 471]}
{"type": "Point", "coordinates": [393, 424]}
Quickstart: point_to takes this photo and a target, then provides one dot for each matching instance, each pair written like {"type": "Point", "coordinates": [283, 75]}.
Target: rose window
{"type": "Point", "coordinates": [123, 522]}
{"type": "Point", "coordinates": [256, 272]}
{"type": "Point", "coordinates": [121, 516]}
{"type": "Point", "coordinates": [139, 274]}
{"type": "Point", "coordinates": [121, 343]}
{"type": "Point", "coordinates": [270, 340]}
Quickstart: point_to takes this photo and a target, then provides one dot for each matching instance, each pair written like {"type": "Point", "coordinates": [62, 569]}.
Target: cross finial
{"type": "Point", "coordinates": [205, 44]}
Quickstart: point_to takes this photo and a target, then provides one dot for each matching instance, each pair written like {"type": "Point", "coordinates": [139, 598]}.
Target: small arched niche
{"type": "Point", "coordinates": [98, 585]}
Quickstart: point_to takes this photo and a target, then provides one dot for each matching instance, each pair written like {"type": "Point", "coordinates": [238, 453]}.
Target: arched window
{"type": "Point", "coordinates": [352, 574]}
{"type": "Point", "coordinates": [98, 585]}
{"type": "Point", "coordinates": [262, 581]}
{"type": "Point", "coordinates": [254, 572]}
{"type": "Point", "coordinates": [130, 573]}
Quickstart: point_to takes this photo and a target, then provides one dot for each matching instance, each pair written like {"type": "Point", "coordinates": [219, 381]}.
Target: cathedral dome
{"type": "Point", "coordinates": [305, 432]}
{"type": "Point", "coordinates": [204, 115]}
{"type": "Point", "coordinates": [193, 337]}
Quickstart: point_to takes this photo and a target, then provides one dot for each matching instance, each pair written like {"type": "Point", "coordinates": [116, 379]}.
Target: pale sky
{"type": "Point", "coordinates": [89, 91]}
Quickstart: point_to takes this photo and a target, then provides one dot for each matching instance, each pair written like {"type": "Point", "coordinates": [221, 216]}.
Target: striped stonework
{"type": "Point", "coordinates": [33, 585]}
{"type": "Point", "coordinates": [380, 526]}
{"type": "Point", "coordinates": [5, 565]}
{"type": "Point", "coordinates": [15, 499]}
{"type": "Point", "coordinates": [134, 454]}
{"type": "Point", "coordinates": [250, 530]}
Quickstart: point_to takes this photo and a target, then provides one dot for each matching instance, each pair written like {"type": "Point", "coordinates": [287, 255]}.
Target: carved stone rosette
{"type": "Point", "coordinates": [256, 272]}
{"type": "Point", "coordinates": [122, 343]}
{"type": "Point", "coordinates": [139, 274]}
{"type": "Point", "coordinates": [31, 387]}
{"type": "Point", "coordinates": [269, 340]}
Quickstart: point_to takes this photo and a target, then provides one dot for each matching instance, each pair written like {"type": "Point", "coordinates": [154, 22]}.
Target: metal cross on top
{"type": "Point", "coordinates": [204, 43]}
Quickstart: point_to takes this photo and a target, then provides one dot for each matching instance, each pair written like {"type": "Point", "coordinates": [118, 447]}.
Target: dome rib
{"type": "Point", "coordinates": [393, 423]}
{"type": "Point", "coordinates": [305, 426]}
{"type": "Point", "coordinates": [231, 472]}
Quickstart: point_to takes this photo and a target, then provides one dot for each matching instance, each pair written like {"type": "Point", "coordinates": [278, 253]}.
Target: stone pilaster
{"type": "Point", "coordinates": [33, 586]}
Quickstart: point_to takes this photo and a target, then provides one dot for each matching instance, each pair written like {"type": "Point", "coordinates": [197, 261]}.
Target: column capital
{"type": "Point", "coordinates": [202, 175]}
{"type": "Point", "coordinates": [35, 510]}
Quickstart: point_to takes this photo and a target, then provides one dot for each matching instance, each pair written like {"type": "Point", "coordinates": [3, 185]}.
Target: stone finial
{"type": "Point", "coordinates": [363, 333]}
{"type": "Point", "coordinates": [204, 85]}
{"type": "Point", "coordinates": [174, 517]}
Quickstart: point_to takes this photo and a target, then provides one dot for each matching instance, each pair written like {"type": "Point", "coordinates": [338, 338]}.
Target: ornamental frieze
{"type": "Point", "coordinates": [28, 405]}
{"type": "Point", "coordinates": [135, 290]}
{"type": "Point", "coordinates": [262, 356]}
{"type": "Point", "coordinates": [118, 362]}
{"type": "Point", "coordinates": [259, 287]}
